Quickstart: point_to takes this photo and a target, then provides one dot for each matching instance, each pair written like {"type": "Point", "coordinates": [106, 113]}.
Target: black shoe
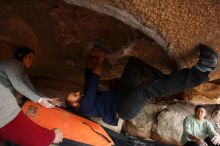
{"type": "Point", "coordinates": [208, 59]}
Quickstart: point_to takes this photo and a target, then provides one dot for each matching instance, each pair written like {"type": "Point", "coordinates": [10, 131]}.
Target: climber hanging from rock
{"type": "Point", "coordinates": [132, 93]}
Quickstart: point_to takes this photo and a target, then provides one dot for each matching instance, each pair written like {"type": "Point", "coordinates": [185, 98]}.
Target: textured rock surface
{"type": "Point", "coordinates": [182, 24]}
{"type": "Point", "coordinates": [62, 34]}
{"type": "Point", "coordinates": [165, 128]}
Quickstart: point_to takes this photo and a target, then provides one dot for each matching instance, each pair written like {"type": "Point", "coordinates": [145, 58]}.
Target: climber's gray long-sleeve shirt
{"type": "Point", "coordinates": [13, 79]}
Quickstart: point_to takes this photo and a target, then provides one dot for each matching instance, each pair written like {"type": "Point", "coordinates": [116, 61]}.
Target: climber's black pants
{"type": "Point", "coordinates": [133, 93]}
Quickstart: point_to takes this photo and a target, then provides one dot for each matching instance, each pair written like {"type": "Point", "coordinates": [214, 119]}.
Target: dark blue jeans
{"type": "Point", "coordinates": [133, 93]}
{"type": "Point", "coordinates": [193, 143]}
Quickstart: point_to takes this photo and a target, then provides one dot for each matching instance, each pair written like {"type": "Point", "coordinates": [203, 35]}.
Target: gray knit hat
{"type": "Point", "coordinates": [208, 58]}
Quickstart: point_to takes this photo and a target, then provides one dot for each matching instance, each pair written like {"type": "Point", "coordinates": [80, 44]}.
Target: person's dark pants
{"type": "Point", "coordinates": [133, 93]}
{"type": "Point", "coordinates": [193, 143]}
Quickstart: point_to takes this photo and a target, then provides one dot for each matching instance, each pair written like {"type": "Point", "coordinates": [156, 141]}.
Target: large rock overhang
{"type": "Point", "coordinates": [123, 16]}
{"type": "Point", "coordinates": [177, 26]}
